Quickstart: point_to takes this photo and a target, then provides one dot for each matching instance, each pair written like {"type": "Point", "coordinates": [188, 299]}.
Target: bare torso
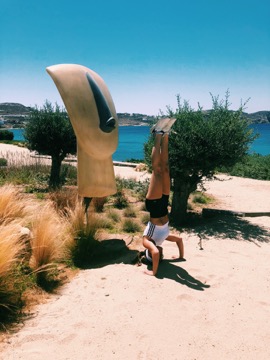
{"type": "Point", "coordinates": [159, 221]}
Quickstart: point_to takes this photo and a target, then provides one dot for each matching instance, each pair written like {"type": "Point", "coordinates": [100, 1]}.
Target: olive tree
{"type": "Point", "coordinates": [200, 142]}
{"type": "Point", "coordinates": [49, 132]}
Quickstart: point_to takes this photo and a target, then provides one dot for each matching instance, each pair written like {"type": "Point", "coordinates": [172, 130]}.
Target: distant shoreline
{"type": "Point", "coordinates": [120, 125]}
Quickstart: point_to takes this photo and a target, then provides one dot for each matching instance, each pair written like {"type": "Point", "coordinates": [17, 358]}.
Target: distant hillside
{"type": "Point", "coordinates": [14, 109]}
{"type": "Point", "coordinates": [259, 117]}
{"type": "Point", "coordinates": [14, 114]}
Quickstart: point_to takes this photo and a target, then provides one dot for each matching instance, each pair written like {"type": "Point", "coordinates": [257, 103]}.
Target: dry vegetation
{"type": "Point", "coordinates": [41, 237]}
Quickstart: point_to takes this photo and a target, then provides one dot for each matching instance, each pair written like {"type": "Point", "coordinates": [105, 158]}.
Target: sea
{"type": "Point", "coordinates": [132, 139]}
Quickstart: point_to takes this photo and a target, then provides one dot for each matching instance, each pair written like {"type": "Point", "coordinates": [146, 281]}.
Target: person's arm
{"type": "Point", "coordinates": [179, 242]}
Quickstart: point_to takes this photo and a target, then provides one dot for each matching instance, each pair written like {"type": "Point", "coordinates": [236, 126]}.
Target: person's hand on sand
{"type": "Point", "coordinates": [178, 258]}
{"type": "Point", "coordinates": [148, 272]}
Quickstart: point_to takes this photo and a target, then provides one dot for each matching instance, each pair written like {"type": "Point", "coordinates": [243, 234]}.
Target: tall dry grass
{"type": "Point", "coordinates": [49, 240]}
{"type": "Point", "coordinates": [22, 158]}
{"type": "Point", "coordinates": [12, 204]}
{"type": "Point", "coordinates": [11, 247]}
{"type": "Point", "coordinates": [11, 251]}
{"type": "Point", "coordinates": [83, 230]}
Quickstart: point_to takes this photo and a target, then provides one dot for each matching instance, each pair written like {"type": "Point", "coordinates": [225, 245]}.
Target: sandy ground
{"type": "Point", "coordinates": [213, 306]}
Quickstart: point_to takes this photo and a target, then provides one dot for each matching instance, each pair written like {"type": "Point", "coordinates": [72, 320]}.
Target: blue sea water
{"type": "Point", "coordinates": [261, 145]}
{"type": "Point", "coordinates": [132, 138]}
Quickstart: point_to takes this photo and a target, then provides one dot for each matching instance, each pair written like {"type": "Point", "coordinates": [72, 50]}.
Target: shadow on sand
{"type": "Point", "coordinates": [168, 270]}
{"type": "Point", "coordinates": [227, 227]}
{"type": "Point", "coordinates": [116, 251]}
{"type": "Point", "coordinates": [108, 252]}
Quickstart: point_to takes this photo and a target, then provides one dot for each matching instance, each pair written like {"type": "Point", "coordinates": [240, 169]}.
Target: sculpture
{"type": "Point", "coordinates": [92, 113]}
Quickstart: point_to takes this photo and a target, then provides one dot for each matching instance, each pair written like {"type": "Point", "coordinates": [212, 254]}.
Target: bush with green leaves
{"type": "Point", "coordinates": [49, 132]}
{"type": "Point", "coordinates": [200, 142]}
{"type": "Point", "coordinates": [254, 166]}
{"type": "Point", "coordinates": [200, 198]}
{"type": "Point", "coordinates": [6, 135]}
{"type": "Point", "coordinates": [139, 188]}
{"type": "Point", "coordinates": [3, 162]}
{"type": "Point", "coordinates": [131, 226]}
{"type": "Point", "coordinates": [120, 200]}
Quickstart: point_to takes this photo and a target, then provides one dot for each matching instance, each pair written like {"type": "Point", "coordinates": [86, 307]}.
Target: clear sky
{"type": "Point", "coordinates": [146, 51]}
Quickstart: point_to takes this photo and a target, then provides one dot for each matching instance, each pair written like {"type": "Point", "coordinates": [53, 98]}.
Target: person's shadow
{"type": "Point", "coordinates": [168, 270]}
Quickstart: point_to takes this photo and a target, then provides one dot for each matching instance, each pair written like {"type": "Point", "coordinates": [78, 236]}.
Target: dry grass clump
{"type": "Point", "coordinates": [131, 226]}
{"type": "Point", "coordinates": [33, 240]}
{"type": "Point", "coordinates": [84, 232]}
{"type": "Point", "coordinates": [58, 231]}
{"type": "Point", "coordinates": [11, 247]}
{"type": "Point", "coordinates": [145, 218]}
{"type": "Point", "coordinates": [63, 199]}
{"type": "Point", "coordinates": [114, 215]}
{"type": "Point", "coordinates": [11, 250]}
{"type": "Point", "coordinates": [130, 212]}
{"type": "Point", "coordinates": [49, 241]}
{"type": "Point", "coordinates": [12, 204]}
{"type": "Point", "coordinates": [76, 218]}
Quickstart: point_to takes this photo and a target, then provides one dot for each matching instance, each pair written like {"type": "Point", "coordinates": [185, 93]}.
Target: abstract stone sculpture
{"type": "Point", "coordinates": [92, 113]}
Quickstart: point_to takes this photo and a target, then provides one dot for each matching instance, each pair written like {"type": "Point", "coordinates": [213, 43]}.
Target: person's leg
{"type": "Point", "coordinates": [156, 183]}
{"type": "Point", "coordinates": [164, 160]}
{"type": "Point", "coordinates": [160, 249]}
{"type": "Point", "coordinates": [179, 242]}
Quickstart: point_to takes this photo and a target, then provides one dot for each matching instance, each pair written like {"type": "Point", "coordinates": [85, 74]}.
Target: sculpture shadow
{"type": "Point", "coordinates": [227, 227]}
{"type": "Point", "coordinates": [107, 252]}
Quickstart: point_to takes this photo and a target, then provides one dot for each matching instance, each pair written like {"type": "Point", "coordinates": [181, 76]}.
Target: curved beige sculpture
{"type": "Point", "coordinates": [92, 113]}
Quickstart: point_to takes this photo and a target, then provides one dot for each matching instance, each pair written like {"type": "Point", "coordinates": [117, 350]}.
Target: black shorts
{"type": "Point", "coordinates": [157, 207]}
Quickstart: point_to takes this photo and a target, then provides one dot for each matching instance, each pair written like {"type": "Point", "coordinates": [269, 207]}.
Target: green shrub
{"type": "Point", "coordinates": [6, 135]}
{"type": "Point", "coordinates": [68, 174]}
{"type": "Point", "coordinates": [130, 212]}
{"type": "Point", "coordinates": [36, 176]}
{"type": "Point", "coordinates": [136, 161]}
{"type": "Point", "coordinates": [200, 198]}
{"type": "Point", "coordinates": [131, 226]}
{"type": "Point", "coordinates": [120, 200]}
{"type": "Point", "coordinates": [113, 215]}
{"type": "Point", "coordinates": [254, 166]}
{"type": "Point", "coordinates": [139, 188]}
{"type": "Point", "coordinates": [145, 218]}
{"type": "Point", "coordinates": [3, 162]}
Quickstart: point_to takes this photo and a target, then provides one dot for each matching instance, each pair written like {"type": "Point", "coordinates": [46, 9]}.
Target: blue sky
{"type": "Point", "coordinates": [147, 52]}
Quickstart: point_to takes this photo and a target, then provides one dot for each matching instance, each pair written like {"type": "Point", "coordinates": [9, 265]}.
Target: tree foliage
{"type": "Point", "coordinates": [253, 166]}
{"type": "Point", "coordinates": [200, 142]}
{"type": "Point", "coordinates": [49, 132]}
{"type": "Point", "coordinates": [6, 135]}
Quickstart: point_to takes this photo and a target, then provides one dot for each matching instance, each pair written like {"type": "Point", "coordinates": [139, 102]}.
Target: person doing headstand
{"type": "Point", "coordinates": [157, 198]}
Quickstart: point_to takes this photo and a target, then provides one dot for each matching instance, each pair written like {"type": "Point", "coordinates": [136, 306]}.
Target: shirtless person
{"type": "Point", "coordinates": [157, 229]}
